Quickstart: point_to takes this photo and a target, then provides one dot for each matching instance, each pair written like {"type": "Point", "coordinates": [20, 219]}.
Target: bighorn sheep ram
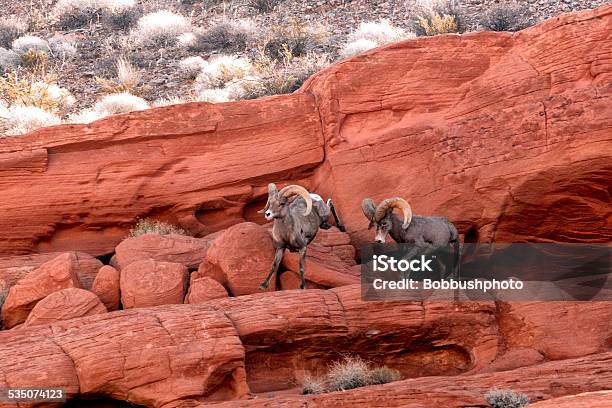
{"type": "Point", "coordinates": [426, 233]}
{"type": "Point", "coordinates": [296, 222]}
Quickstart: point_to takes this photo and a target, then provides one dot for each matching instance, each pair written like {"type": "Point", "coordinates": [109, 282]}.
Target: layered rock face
{"type": "Point", "coordinates": [503, 133]}
{"type": "Point", "coordinates": [506, 134]}
{"type": "Point", "coordinates": [182, 355]}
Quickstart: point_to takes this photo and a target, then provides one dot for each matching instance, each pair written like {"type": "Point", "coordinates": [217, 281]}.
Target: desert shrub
{"type": "Point", "coordinates": [23, 119]}
{"type": "Point", "coordinates": [175, 100]}
{"type": "Point", "coordinates": [383, 375]}
{"type": "Point", "coordinates": [128, 79]}
{"type": "Point", "coordinates": [505, 17]}
{"type": "Point", "coordinates": [506, 399]}
{"type": "Point", "coordinates": [213, 95]}
{"type": "Point", "coordinates": [84, 116]}
{"type": "Point", "coordinates": [61, 49]}
{"type": "Point", "coordinates": [190, 67]}
{"type": "Point", "coordinates": [4, 117]}
{"type": "Point", "coordinates": [221, 70]}
{"type": "Point", "coordinates": [296, 37]}
{"type": "Point", "coordinates": [10, 29]}
{"type": "Point", "coordinates": [150, 226]}
{"type": "Point", "coordinates": [313, 385]}
{"type": "Point", "coordinates": [263, 6]}
{"type": "Point", "coordinates": [119, 103]}
{"type": "Point", "coordinates": [224, 35]}
{"type": "Point", "coordinates": [9, 60]}
{"type": "Point", "coordinates": [70, 14]}
{"type": "Point", "coordinates": [122, 14]}
{"type": "Point", "coordinates": [26, 43]}
{"type": "Point", "coordinates": [35, 60]}
{"type": "Point", "coordinates": [275, 78]}
{"type": "Point", "coordinates": [380, 32]}
{"type": "Point", "coordinates": [348, 373]}
{"type": "Point", "coordinates": [437, 17]}
{"type": "Point", "coordinates": [435, 23]}
{"type": "Point", "coordinates": [127, 74]}
{"type": "Point", "coordinates": [357, 47]}
{"type": "Point", "coordinates": [370, 35]}
{"type": "Point", "coordinates": [187, 40]}
{"type": "Point", "coordinates": [40, 93]}
{"type": "Point", "coordinates": [160, 28]}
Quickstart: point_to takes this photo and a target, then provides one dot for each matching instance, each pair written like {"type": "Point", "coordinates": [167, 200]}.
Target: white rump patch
{"type": "Point", "coordinates": [315, 197]}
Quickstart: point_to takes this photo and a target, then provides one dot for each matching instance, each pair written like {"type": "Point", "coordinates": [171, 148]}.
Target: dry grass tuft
{"type": "Point", "coordinates": [129, 79]}
{"type": "Point", "coordinates": [41, 93]}
{"type": "Point", "coordinates": [117, 103]}
{"type": "Point", "coordinates": [150, 226]}
{"type": "Point", "coordinates": [436, 23]}
{"type": "Point", "coordinates": [225, 35]}
{"type": "Point", "coordinates": [506, 399]}
{"type": "Point", "coordinates": [296, 37]}
{"type": "Point", "coordinates": [161, 28]}
{"type": "Point", "coordinates": [348, 373]}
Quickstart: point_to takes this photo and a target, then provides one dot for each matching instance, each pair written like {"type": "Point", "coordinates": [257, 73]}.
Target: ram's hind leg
{"type": "Point", "coordinates": [278, 256]}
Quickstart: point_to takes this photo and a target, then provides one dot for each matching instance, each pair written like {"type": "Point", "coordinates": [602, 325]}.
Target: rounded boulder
{"type": "Point", "coordinates": [65, 304]}
{"type": "Point", "coordinates": [106, 287]}
{"type": "Point", "coordinates": [147, 283]}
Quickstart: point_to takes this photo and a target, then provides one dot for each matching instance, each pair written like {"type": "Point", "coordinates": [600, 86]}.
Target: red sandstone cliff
{"type": "Point", "coordinates": [504, 133]}
{"type": "Point", "coordinates": [509, 135]}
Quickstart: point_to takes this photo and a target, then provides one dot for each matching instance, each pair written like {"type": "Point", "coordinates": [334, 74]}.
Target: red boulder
{"type": "Point", "coordinates": [65, 304]}
{"type": "Point", "coordinates": [151, 283]}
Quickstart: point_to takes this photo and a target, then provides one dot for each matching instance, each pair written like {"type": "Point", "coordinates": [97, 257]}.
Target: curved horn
{"type": "Point", "coordinates": [271, 191]}
{"type": "Point", "coordinates": [294, 189]}
{"type": "Point", "coordinates": [390, 204]}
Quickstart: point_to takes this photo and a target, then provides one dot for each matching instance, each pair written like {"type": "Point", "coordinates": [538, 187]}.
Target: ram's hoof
{"type": "Point", "coordinates": [263, 287]}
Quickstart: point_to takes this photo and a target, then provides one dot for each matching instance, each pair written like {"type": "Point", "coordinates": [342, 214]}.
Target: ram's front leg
{"type": "Point", "coordinates": [419, 248]}
{"type": "Point", "coordinates": [302, 261]}
{"type": "Point", "coordinates": [278, 256]}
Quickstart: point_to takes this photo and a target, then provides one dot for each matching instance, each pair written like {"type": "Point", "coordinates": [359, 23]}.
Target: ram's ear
{"type": "Point", "coordinates": [272, 189]}
{"type": "Point", "coordinates": [368, 208]}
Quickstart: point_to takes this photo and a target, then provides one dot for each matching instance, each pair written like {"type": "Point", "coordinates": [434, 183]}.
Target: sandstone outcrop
{"type": "Point", "coordinates": [65, 304]}
{"type": "Point", "coordinates": [175, 248]}
{"type": "Point", "coordinates": [13, 268]}
{"type": "Point", "coordinates": [56, 274]}
{"type": "Point", "coordinates": [106, 287]}
{"type": "Point", "coordinates": [598, 399]}
{"type": "Point", "coordinates": [151, 283]}
{"type": "Point", "coordinates": [222, 349]}
{"type": "Point", "coordinates": [544, 381]}
{"type": "Point", "coordinates": [156, 357]}
{"type": "Point", "coordinates": [476, 128]}
{"type": "Point", "coordinates": [240, 258]}
{"type": "Point", "coordinates": [473, 127]}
